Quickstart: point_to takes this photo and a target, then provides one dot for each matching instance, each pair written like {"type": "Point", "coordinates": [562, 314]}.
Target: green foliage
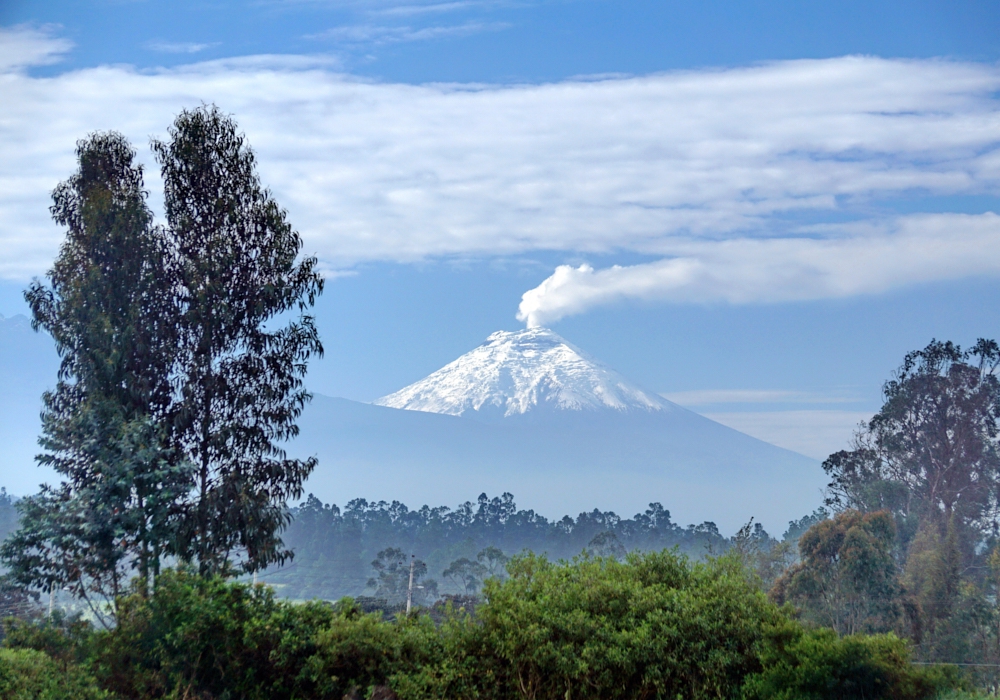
{"type": "Point", "coordinates": [466, 574]}
{"type": "Point", "coordinates": [819, 665]}
{"type": "Point", "coordinates": [392, 578]}
{"type": "Point", "coordinates": [67, 640]}
{"type": "Point", "coordinates": [931, 458]}
{"type": "Point", "coordinates": [797, 528]}
{"type": "Point", "coordinates": [199, 636]}
{"type": "Point", "coordinates": [109, 311]}
{"type": "Point", "coordinates": [494, 560]}
{"type": "Point", "coordinates": [847, 579]}
{"type": "Point", "coordinates": [26, 674]}
{"type": "Point", "coordinates": [767, 558]}
{"type": "Point", "coordinates": [362, 651]}
{"type": "Point", "coordinates": [931, 451]}
{"type": "Point", "coordinates": [206, 637]}
{"type": "Point", "coordinates": [174, 395]}
{"type": "Point", "coordinates": [652, 626]}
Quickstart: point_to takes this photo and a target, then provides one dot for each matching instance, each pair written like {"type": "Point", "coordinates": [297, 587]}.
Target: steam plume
{"type": "Point", "coordinates": [915, 249]}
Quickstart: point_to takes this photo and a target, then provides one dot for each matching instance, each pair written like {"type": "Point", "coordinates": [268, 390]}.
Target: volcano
{"type": "Point", "coordinates": [530, 413]}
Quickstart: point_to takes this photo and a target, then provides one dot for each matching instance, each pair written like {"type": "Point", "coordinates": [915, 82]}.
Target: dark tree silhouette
{"type": "Point", "coordinates": [239, 383]}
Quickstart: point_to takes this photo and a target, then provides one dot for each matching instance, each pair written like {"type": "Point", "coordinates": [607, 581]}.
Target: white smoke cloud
{"type": "Point", "coordinates": [919, 248]}
{"type": "Point", "coordinates": [656, 165]}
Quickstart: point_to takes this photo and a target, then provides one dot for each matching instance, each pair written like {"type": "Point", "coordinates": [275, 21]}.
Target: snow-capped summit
{"type": "Point", "coordinates": [514, 373]}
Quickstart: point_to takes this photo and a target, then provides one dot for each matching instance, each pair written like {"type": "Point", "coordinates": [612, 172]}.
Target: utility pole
{"type": "Point", "coordinates": [409, 589]}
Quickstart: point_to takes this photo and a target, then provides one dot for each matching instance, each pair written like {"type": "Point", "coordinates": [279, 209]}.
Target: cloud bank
{"type": "Point", "coordinates": [921, 248]}
{"type": "Point", "coordinates": [724, 174]}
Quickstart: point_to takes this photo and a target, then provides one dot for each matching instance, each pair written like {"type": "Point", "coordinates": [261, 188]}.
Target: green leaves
{"type": "Point", "coordinates": [848, 578]}
{"type": "Point", "coordinates": [818, 665]}
{"type": "Point", "coordinates": [26, 674]}
{"type": "Point", "coordinates": [654, 625]}
{"type": "Point", "coordinates": [110, 313]}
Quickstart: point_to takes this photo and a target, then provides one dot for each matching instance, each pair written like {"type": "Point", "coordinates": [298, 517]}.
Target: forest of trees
{"type": "Point", "coordinates": [334, 548]}
{"type": "Point", "coordinates": [178, 387]}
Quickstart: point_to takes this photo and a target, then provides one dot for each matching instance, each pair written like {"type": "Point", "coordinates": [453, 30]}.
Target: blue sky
{"type": "Point", "coordinates": [795, 194]}
{"type": "Point", "coordinates": [520, 40]}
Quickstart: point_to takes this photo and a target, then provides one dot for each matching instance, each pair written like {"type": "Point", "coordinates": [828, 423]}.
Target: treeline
{"type": "Point", "coordinates": [335, 548]}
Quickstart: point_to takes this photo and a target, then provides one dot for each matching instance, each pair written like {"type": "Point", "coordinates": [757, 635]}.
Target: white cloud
{"type": "Point", "coordinates": [178, 46]}
{"type": "Point", "coordinates": [816, 434]}
{"type": "Point", "coordinates": [24, 45]}
{"type": "Point", "coordinates": [692, 165]}
{"type": "Point", "coordinates": [920, 248]}
{"type": "Point", "coordinates": [377, 35]}
{"type": "Point", "coordinates": [708, 397]}
{"type": "Point", "coordinates": [433, 8]}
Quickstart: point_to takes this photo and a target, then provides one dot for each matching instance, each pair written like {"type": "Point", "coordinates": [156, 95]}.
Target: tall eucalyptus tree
{"type": "Point", "coordinates": [238, 380]}
{"type": "Point", "coordinates": [110, 310]}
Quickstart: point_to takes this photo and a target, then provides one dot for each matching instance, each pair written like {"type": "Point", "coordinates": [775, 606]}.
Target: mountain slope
{"type": "Point", "coordinates": [557, 463]}
{"type": "Point", "coordinates": [28, 367]}
{"type": "Point", "coordinates": [538, 417]}
{"type": "Point", "coordinates": [560, 430]}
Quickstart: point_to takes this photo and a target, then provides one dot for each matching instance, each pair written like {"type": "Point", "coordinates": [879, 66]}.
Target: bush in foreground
{"type": "Point", "coordinates": [27, 674]}
{"type": "Point", "coordinates": [653, 626]}
{"type": "Point", "coordinates": [819, 665]}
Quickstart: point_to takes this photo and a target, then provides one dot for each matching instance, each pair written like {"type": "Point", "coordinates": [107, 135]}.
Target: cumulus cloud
{"type": "Point", "coordinates": [693, 166]}
{"type": "Point", "coordinates": [919, 248]}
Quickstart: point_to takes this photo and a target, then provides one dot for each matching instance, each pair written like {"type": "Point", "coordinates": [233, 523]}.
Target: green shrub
{"type": "Point", "coordinates": [209, 637]}
{"type": "Point", "coordinates": [27, 674]}
{"type": "Point", "coordinates": [66, 640]}
{"type": "Point", "coordinates": [652, 626]}
{"type": "Point", "coordinates": [359, 650]}
{"type": "Point", "coordinates": [818, 665]}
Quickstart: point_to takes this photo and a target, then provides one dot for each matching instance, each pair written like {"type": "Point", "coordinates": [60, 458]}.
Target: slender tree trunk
{"type": "Point", "coordinates": [143, 547]}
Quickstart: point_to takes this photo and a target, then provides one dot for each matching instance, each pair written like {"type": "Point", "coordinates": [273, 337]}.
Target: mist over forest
{"type": "Point", "coordinates": [334, 548]}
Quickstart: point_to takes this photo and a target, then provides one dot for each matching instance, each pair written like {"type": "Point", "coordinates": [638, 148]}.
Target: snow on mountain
{"type": "Point", "coordinates": [513, 373]}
